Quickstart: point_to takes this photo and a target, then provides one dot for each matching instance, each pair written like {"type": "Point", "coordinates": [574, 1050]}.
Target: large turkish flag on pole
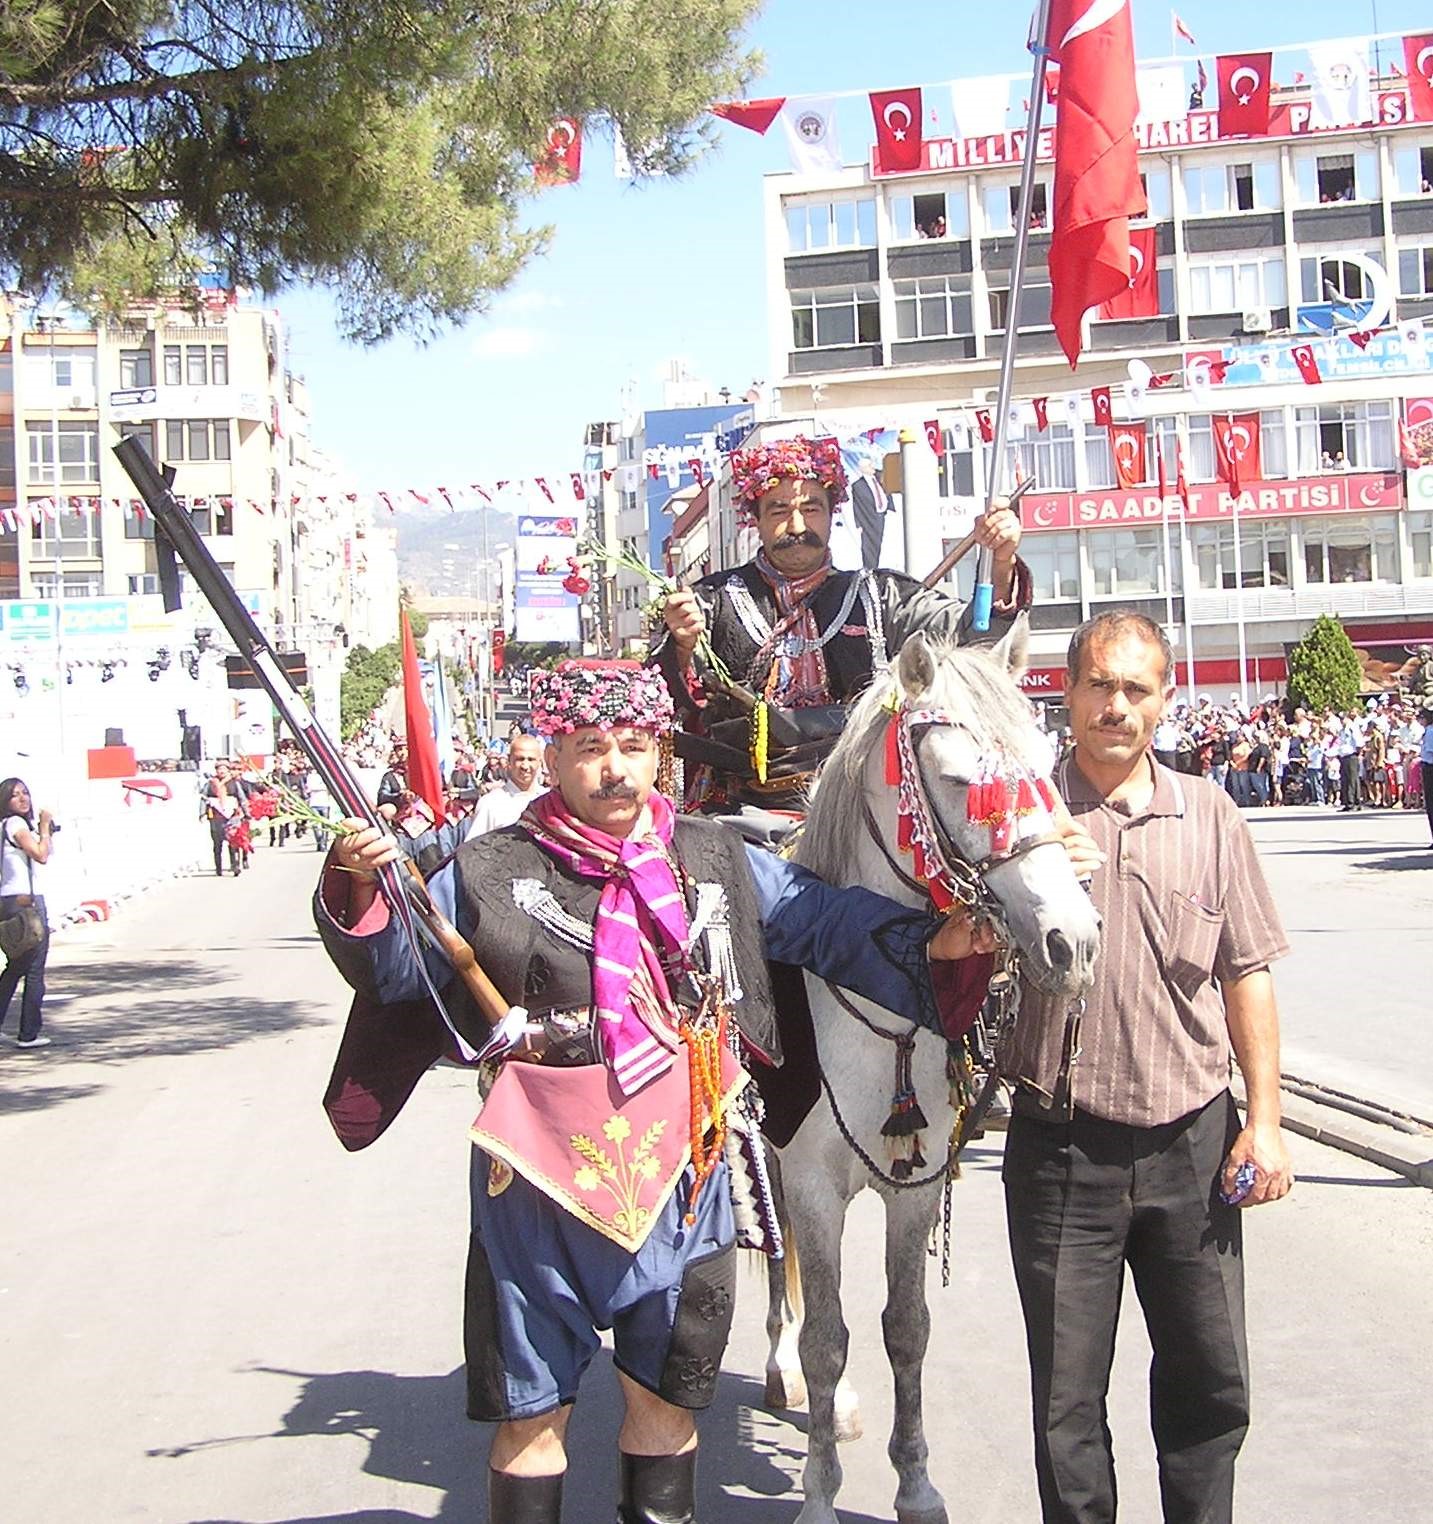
{"type": "Point", "coordinates": [1418, 61]}
{"type": "Point", "coordinates": [1236, 448]}
{"type": "Point", "coordinates": [1244, 84]}
{"type": "Point", "coordinates": [1140, 297]}
{"type": "Point", "coordinates": [1097, 185]}
{"type": "Point", "coordinates": [423, 776]}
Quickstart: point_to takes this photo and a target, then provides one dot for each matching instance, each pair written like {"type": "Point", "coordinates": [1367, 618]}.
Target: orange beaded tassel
{"type": "Point", "coordinates": [704, 1043]}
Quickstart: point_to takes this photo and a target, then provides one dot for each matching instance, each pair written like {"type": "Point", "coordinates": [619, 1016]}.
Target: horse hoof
{"type": "Point", "coordinates": [848, 1428]}
{"type": "Point", "coordinates": [922, 1516]}
{"type": "Point", "coordinates": [785, 1389]}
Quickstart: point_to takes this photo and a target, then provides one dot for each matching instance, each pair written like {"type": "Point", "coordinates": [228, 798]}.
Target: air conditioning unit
{"type": "Point", "coordinates": [1257, 320]}
{"type": "Point", "coordinates": [78, 400]}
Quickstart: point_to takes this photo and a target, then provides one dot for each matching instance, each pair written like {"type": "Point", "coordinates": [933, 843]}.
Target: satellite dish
{"type": "Point", "coordinates": [1140, 374]}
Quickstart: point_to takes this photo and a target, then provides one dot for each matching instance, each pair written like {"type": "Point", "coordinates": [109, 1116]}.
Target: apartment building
{"type": "Point", "coordinates": [889, 295]}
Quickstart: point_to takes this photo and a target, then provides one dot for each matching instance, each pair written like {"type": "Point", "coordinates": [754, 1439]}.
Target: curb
{"type": "Point", "coordinates": [1409, 1154]}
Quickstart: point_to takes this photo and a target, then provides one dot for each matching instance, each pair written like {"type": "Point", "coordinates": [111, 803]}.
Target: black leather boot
{"type": "Point", "coordinates": [658, 1489]}
{"type": "Point", "coordinates": [524, 1499]}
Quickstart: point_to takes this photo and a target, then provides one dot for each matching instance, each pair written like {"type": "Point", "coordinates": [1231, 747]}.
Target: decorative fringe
{"type": "Point", "coordinates": [903, 1128]}
{"type": "Point", "coordinates": [1046, 791]}
{"type": "Point", "coordinates": [893, 751]}
{"type": "Point", "coordinates": [760, 739]}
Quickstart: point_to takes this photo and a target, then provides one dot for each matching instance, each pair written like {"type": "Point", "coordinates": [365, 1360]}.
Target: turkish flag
{"type": "Point", "coordinates": [1236, 448]}
{"type": "Point", "coordinates": [1181, 481]}
{"type": "Point", "coordinates": [755, 116]}
{"type": "Point", "coordinates": [1418, 61]}
{"type": "Point", "coordinates": [578, 490]}
{"type": "Point", "coordinates": [987, 428]}
{"type": "Point", "coordinates": [1127, 446]}
{"type": "Point", "coordinates": [422, 774]}
{"type": "Point", "coordinates": [1104, 411]}
{"type": "Point", "coordinates": [1303, 356]}
{"type": "Point", "coordinates": [1097, 184]}
{"type": "Point", "coordinates": [1140, 297]}
{"type": "Point", "coordinates": [500, 644]}
{"type": "Point", "coordinates": [898, 127]}
{"type": "Point", "coordinates": [932, 435]}
{"type": "Point", "coordinates": [1244, 83]}
{"type": "Point", "coordinates": [1042, 413]}
{"type": "Point", "coordinates": [561, 161]}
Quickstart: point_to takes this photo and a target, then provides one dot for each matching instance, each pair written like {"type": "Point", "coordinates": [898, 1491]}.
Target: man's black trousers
{"type": "Point", "coordinates": [1425, 770]}
{"type": "Point", "coordinates": [1084, 1199]}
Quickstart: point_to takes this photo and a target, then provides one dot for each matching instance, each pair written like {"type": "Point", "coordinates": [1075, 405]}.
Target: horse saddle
{"type": "Point", "coordinates": [798, 741]}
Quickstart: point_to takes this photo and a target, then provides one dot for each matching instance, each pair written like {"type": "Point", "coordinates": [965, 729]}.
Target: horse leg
{"type": "Point", "coordinates": [824, 1338]}
{"type": "Point", "coordinates": [905, 1322]}
{"type": "Point", "coordinates": [785, 1385]}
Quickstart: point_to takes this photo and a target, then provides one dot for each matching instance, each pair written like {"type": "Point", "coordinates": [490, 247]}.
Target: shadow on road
{"type": "Point", "coordinates": [417, 1433]}
{"type": "Point", "coordinates": [1418, 857]}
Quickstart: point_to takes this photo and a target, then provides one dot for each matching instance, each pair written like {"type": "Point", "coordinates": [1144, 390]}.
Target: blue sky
{"type": "Point", "coordinates": [637, 274]}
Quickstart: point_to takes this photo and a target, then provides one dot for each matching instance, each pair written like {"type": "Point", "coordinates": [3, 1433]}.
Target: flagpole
{"type": "Point", "coordinates": [1239, 595]}
{"type": "Point", "coordinates": [984, 597]}
{"type": "Point", "coordinates": [1180, 458]}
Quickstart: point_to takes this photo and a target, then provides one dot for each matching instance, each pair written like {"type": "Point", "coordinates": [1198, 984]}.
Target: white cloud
{"type": "Point", "coordinates": [508, 341]}
{"type": "Point", "coordinates": [530, 301]}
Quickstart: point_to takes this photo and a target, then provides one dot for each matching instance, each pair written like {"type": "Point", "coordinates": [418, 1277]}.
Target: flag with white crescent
{"type": "Point", "coordinates": [897, 116]}
{"type": "Point", "coordinates": [1418, 61]}
{"type": "Point", "coordinates": [1245, 80]}
{"type": "Point", "coordinates": [561, 160]}
{"type": "Point", "coordinates": [1097, 183]}
{"type": "Point", "coordinates": [1127, 445]}
{"type": "Point", "coordinates": [1236, 448]}
{"type": "Point", "coordinates": [1140, 298]}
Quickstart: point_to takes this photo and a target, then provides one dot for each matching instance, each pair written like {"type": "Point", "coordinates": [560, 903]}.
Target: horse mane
{"type": "Point", "coordinates": [969, 684]}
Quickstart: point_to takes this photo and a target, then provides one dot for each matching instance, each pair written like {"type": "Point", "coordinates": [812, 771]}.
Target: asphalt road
{"type": "Point", "coordinates": [209, 1312]}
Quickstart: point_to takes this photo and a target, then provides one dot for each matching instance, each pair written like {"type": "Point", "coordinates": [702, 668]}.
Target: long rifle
{"type": "Point", "coordinates": [406, 894]}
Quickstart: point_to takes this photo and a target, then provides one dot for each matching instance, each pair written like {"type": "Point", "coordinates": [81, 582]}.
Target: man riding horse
{"type": "Point", "coordinates": [797, 635]}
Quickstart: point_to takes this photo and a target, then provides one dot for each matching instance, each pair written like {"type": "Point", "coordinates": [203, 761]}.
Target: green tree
{"type": "Point", "coordinates": [1324, 672]}
{"type": "Point", "coordinates": [384, 148]}
{"type": "Point", "coordinates": [364, 683]}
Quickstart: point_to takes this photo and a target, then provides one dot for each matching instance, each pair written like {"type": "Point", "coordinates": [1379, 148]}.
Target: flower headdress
{"type": "Point", "coordinates": [601, 693]}
{"type": "Point", "coordinates": [764, 467]}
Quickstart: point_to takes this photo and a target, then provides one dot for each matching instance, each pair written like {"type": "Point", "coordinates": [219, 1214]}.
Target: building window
{"type": "Point", "coordinates": [1346, 436]}
{"type": "Point", "coordinates": [1351, 549]}
{"type": "Point", "coordinates": [71, 585]}
{"type": "Point", "coordinates": [196, 365]}
{"type": "Point", "coordinates": [1327, 178]}
{"type": "Point", "coordinates": [1156, 184]}
{"type": "Point", "coordinates": [1054, 562]}
{"type": "Point", "coordinates": [995, 208]}
{"type": "Point", "coordinates": [1263, 555]}
{"type": "Point", "coordinates": [935, 308]}
{"type": "Point", "coordinates": [1039, 205]}
{"type": "Point", "coordinates": [79, 452]}
{"type": "Point", "coordinates": [7, 457]}
{"type": "Point", "coordinates": [69, 535]}
{"type": "Point", "coordinates": [1211, 188]}
{"type": "Point", "coordinates": [1048, 457]}
{"type": "Point", "coordinates": [955, 470]}
{"type": "Point", "coordinates": [846, 223]}
{"type": "Point", "coordinates": [1034, 302]}
{"type": "Point", "coordinates": [1415, 271]}
{"type": "Point", "coordinates": [138, 526]}
{"type": "Point", "coordinates": [1413, 169]}
{"type": "Point", "coordinates": [1127, 561]}
{"type": "Point", "coordinates": [136, 368]}
{"type": "Point", "coordinates": [1420, 533]}
{"type": "Point", "coordinates": [219, 364]}
{"type": "Point", "coordinates": [1201, 464]}
{"type": "Point", "coordinates": [173, 365]}
{"type": "Point", "coordinates": [196, 439]}
{"type": "Point", "coordinates": [832, 318]}
{"type": "Point", "coordinates": [934, 214]}
{"type": "Point", "coordinates": [144, 582]}
{"type": "Point", "coordinates": [1334, 278]}
{"type": "Point", "coordinates": [1236, 285]}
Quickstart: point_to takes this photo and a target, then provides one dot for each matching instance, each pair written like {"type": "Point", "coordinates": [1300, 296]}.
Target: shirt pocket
{"type": "Point", "coordinates": [1193, 944]}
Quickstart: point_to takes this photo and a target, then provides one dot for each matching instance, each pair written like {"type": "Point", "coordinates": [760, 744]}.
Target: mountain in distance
{"type": "Point", "coordinates": [425, 542]}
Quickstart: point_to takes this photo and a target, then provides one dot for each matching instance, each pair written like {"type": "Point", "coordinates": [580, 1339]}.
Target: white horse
{"type": "Point", "coordinates": [961, 718]}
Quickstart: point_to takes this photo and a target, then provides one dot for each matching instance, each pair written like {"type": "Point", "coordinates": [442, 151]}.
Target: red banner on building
{"type": "Point", "coordinates": [1245, 80]}
{"type": "Point", "coordinates": [1141, 297]}
{"type": "Point", "coordinates": [1127, 441]}
{"type": "Point", "coordinates": [1208, 501]}
{"type": "Point", "coordinates": [1236, 448]}
{"type": "Point", "coordinates": [897, 115]}
{"type": "Point", "coordinates": [1418, 62]}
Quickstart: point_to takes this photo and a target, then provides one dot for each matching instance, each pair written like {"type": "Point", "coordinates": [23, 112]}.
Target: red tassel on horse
{"type": "Point", "coordinates": [893, 751]}
{"type": "Point", "coordinates": [1025, 796]}
{"type": "Point", "coordinates": [1046, 791]}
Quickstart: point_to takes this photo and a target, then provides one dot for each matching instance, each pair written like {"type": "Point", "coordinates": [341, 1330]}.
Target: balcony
{"type": "Point", "coordinates": [1341, 599]}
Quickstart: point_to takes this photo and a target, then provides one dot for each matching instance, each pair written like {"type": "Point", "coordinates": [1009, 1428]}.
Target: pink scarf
{"type": "Point", "coordinates": [640, 933]}
{"type": "Point", "coordinates": [798, 676]}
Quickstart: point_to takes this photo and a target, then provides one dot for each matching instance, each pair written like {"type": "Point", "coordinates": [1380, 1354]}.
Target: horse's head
{"type": "Point", "coordinates": [939, 789]}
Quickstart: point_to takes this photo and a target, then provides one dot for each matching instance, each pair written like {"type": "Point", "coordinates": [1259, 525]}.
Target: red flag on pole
{"type": "Point", "coordinates": [1303, 356]}
{"type": "Point", "coordinates": [755, 116]}
{"type": "Point", "coordinates": [898, 127]}
{"type": "Point", "coordinates": [1418, 58]}
{"type": "Point", "coordinates": [1181, 481]}
{"type": "Point", "coordinates": [1103, 406]}
{"type": "Point", "coordinates": [561, 161]}
{"type": "Point", "coordinates": [985, 424]}
{"type": "Point", "coordinates": [424, 779]}
{"type": "Point", "coordinates": [1127, 445]}
{"type": "Point", "coordinates": [1097, 184]}
{"type": "Point", "coordinates": [1162, 476]}
{"type": "Point", "coordinates": [1140, 297]}
{"type": "Point", "coordinates": [932, 435]}
{"type": "Point", "coordinates": [1244, 83]}
{"type": "Point", "coordinates": [1180, 30]}
{"type": "Point", "coordinates": [1236, 447]}
{"type": "Point", "coordinates": [1042, 413]}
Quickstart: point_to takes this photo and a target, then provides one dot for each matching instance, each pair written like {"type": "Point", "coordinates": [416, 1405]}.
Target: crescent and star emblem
{"type": "Point", "coordinates": [1126, 447]}
{"type": "Point", "coordinates": [1420, 410]}
{"type": "Point", "coordinates": [562, 136]}
{"type": "Point", "coordinates": [1095, 15]}
{"type": "Point", "coordinates": [1425, 68]}
{"type": "Point", "coordinates": [1244, 94]}
{"type": "Point", "coordinates": [1043, 514]}
{"type": "Point", "coordinates": [1239, 432]}
{"type": "Point", "coordinates": [1136, 264]}
{"type": "Point", "coordinates": [1368, 496]}
{"type": "Point", "coordinates": [898, 108]}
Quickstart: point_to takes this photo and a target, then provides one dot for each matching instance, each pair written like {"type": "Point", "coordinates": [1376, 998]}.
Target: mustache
{"type": "Point", "coordinates": [610, 791]}
{"type": "Point", "coordinates": [807, 537]}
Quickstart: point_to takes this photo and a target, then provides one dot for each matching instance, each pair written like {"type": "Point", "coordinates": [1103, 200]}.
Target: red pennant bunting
{"type": "Point", "coordinates": [1042, 413]}
{"type": "Point", "coordinates": [933, 435]}
{"type": "Point", "coordinates": [1303, 357]}
{"type": "Point", "coordinates": [897, 115]}
{"type": "Point", "coordinates": [1104, 409]}
{"type": "Point", "coordinates": [986, 426]}
{"type": "Point", "coordinates": [698, 471]}
{"type": "Point", "coordinates": [544, 488]}
{"type": "Point", "coordinates": [607, 473]}
{"type": "Point", "coordinates": [1244, 83]}
{"type": "Point", "coordinates": [1359, 339]}
{"type": "Point", "coordinates": [443, 493]}
{"type": "Point", "coordinates": [1155, 382]}
{"type": "Point", "coordinates": [654, 470]}
{"type": "Point", "coordinates": [755, 116]}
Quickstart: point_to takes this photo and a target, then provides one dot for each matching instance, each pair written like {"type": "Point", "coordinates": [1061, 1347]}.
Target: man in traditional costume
{"type": "Point", "coordinates": [796, 634]}
{"type": "Point", "coordinates": [616, 1159]}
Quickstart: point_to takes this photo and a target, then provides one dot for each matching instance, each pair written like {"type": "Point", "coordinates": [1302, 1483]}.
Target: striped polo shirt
{"type": "Point", "coordinates": [1185, 907]}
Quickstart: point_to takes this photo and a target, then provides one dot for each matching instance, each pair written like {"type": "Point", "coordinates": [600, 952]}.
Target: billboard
{"type": "Point", "coordinates": [543, 610]}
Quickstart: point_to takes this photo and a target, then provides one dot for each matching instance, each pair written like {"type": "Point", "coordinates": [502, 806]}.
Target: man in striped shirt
{"type": "Point", "coordinates": [1125, 1147]}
